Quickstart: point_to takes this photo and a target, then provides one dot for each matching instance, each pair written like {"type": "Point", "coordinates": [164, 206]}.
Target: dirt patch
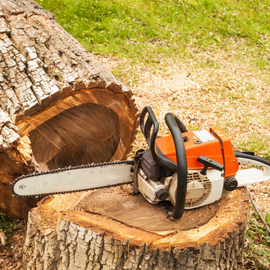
{"type": "Point", "coordinates": [11, 253]}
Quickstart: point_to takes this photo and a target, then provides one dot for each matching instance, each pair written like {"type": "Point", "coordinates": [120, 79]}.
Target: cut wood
{"type": "Point", "coordinates": [2, 238]}
{"type": "Point", "coordinates": [113, 229]}
{"type": "Point", "coordinates": [59, 105]}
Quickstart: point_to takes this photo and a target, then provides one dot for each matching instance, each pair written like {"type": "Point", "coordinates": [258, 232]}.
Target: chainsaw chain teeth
{"type": "Point", "coordinates": [128, 162]}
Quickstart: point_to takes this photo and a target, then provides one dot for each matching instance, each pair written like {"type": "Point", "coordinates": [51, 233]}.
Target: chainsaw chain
{"type": "Point", "coordinates": [128, 162]}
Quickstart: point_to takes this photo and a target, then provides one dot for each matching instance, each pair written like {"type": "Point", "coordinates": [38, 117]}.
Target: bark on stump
{"type": "Point", "coordinates": [112, 229]}
{"type": "Point", "coordinates": [58, 105]}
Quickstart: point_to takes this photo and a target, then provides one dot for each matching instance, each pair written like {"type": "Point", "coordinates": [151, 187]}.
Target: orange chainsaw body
{"type": "Point", "coordinates": [214, 144]}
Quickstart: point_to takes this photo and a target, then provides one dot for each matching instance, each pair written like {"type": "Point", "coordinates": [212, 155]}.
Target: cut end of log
{"type": "Point", "coordinates": [83, 134]}
{"type": "Point", "coordinates": [91, 125]}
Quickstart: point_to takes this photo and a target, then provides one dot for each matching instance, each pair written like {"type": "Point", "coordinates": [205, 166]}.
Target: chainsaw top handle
{"type": "Point", "coordinates": [149, 127]}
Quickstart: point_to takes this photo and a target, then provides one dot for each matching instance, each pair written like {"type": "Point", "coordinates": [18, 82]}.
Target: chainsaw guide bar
{"type": "Point", "coordinates": [76, 174]}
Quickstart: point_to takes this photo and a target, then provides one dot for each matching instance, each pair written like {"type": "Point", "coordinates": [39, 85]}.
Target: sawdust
{"type": "Point", "coordinates": [11, 253]}
{"type": "Point", "coordinates": [261, 196]}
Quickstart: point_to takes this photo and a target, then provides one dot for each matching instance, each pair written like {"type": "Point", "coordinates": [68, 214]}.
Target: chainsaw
{"type": "Point", "coordinates": [186, 169]}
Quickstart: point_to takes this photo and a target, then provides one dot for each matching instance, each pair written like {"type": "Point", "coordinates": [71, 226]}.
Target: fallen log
{"type": "Point", "coordinates": [59, 105]}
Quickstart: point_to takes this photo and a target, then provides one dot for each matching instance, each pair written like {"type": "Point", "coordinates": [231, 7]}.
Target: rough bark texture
{"type": "Point", "coordinates": [56, 100]}
{"type": "Point", "coordinates": [73, 231]}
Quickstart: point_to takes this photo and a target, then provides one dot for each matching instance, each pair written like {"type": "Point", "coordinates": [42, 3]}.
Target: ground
{"type": "Point", "coordinates": [11, 253]}
{"type": "Point", "coordinates": [206, 90]}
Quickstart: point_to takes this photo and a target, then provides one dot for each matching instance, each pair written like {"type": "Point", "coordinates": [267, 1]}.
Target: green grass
{"type": "Point", "coordinates": [257, 145]}
{"type": "Point", "coordinates": [144, 31]}
{"type": "Point", "coordinates": [258, 242]}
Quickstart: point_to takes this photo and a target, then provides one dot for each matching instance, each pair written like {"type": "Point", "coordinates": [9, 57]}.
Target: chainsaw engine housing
{"type": "Point", "coordinates": [201, 189]}
{"type": "Point", "coordinates": [214, 144]}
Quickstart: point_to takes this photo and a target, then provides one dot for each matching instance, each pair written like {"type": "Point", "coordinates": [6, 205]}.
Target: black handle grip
{"type": "Point", "coordinates": [149, 127]}
{"type": "Point", "coordinates": [171, 121]}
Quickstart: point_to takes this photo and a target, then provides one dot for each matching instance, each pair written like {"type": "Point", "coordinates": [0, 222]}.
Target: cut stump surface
{"type": "Point", "coordinates": [113, 229]}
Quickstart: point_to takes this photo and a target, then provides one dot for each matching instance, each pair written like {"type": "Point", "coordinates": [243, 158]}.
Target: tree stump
{"type": "Point", "coordinates": [113, 229]}
{"type": "Point", "coordinates": [59, 106]}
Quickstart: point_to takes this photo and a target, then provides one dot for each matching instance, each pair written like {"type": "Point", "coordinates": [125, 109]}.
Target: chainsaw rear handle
{"type": "Point", "coordinates": [172, 123]}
